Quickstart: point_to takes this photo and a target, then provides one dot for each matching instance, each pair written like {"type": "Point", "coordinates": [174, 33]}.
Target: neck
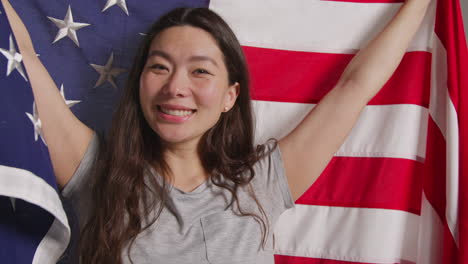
{"type": "Point", "coordinates": [184, 161]}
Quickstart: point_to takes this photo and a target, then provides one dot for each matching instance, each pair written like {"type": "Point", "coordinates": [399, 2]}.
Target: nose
{"type": "Point", "coordinates": [177, 85]}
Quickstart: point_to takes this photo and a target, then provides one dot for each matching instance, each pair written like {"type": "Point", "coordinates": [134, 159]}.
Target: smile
{"type": "Point", "coordinates": [174, 114]}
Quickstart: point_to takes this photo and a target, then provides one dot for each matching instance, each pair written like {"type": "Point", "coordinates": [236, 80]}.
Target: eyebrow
{"type": "Point", "coordinates": [160, 54]}
{"type": "Point", "coordinates": [193, 58]}
{"type": "Point", "coordinates": [203, 58]}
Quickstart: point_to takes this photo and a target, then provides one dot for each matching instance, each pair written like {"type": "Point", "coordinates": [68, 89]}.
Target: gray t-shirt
{"type": "Point", "coordinates": [194, 227]}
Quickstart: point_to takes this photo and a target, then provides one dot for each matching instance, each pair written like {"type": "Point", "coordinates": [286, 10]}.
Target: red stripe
{"type": "Point", "coordinates": [304, 77]}
{"type": "Point", "coordinates": [449, 29]}
{"type": "Point", "coordinates": [279, 259]}
{"type": "Point", "coordinates": [434, 187]}
{"type": "Point", "coordinates": [387, 183]}
{"type": "Point", "coordinates": [434, 169]}
{"type": "Point", "coordinates": [450, 254]}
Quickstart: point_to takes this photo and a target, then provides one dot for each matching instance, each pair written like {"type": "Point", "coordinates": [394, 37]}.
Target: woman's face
{"type": "Point", "coordinates": [184, 85]}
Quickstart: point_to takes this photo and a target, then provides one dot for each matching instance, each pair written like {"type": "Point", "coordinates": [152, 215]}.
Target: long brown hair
{"type": "Point", "coordinates": [123, 196]}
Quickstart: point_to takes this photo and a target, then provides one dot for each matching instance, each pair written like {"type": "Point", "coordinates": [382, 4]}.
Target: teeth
{"type": "Point", "coordinates": [176, 112]}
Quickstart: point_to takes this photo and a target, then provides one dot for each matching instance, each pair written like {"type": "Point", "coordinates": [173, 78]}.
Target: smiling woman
{"type": "Point", "coordinates": [178, 179]}
{"type": "Point", "coordinates": [184, 85]}
{"type": "Point", "coordinates": [183, 128]}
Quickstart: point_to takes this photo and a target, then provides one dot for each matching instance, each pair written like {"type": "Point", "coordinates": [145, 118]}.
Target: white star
{"type": "Point", "coordinates": [14, 59]}
{"type": "Point", "coordinates": [69, 103]}
{"type": "Point", "coordinates": [36, 123]}
{"type": "Point", "coordinates": [120, 3]}
{"type": "Point", "coordinates": [107, 72]}
{"type": "Point", "coordinates": [67, 27]}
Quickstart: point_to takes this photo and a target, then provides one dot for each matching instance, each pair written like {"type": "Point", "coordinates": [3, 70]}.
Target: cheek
{"type": "Point", "coordinates": [211, 96]}
{"type": "Point", "coordinates": [144, 86]}
{"type": "Point", "coordinates": [148, 89]}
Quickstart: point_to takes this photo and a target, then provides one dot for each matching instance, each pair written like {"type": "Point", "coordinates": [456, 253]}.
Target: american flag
{"type": "Point", "coordinates": [396, 191]}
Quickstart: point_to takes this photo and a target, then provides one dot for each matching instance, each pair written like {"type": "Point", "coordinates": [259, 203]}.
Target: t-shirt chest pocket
{"type": "Point", "coordinates": [230, 238]}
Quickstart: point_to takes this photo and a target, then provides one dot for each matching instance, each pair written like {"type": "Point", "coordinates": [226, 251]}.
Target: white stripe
{"type": "Point", "coordinates": [452, 172]}
{"type": "Point", "coordinates": [394, 131]}
{"type": "Point", "coordinates": [349, 234]}
{"type": "Point", "coordinates": [23, 184]}
{"type": "Point", "coordinates": [312, 25]}
{"type": "Point", "coordinates": [443, 113]}
{"type": "Point", "coordinates": [430, 242]}
{"type": "Point", "coordinates": [52, 246]}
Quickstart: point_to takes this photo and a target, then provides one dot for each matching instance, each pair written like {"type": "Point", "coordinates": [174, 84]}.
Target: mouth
{"type": "Point", "coordinates": [176, 112]}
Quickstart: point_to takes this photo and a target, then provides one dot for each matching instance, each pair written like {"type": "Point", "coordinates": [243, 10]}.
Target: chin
{"type": "Point", "coordinates": [175, 136]}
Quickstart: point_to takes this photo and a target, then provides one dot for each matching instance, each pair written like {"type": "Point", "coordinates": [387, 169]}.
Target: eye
{"type": "Point", "coordinates": [158, 67]}
{"type": "Point", "coordinates": [201, 71]}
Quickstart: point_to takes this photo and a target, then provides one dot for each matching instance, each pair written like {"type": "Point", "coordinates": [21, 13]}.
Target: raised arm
{"type": "Point", "coordinates": [310, 146]}
{"type": "Point", "coordinates": [67, 137]}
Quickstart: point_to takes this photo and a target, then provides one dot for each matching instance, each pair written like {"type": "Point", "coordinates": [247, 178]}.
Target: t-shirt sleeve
{"type": "Point", "coordinates": [270, 183]}
{"type": "Point", "coordinates": [78, 190]}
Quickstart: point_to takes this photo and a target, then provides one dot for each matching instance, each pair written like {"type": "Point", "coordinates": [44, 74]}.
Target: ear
{"type": "Point", "coordinates": [231, 96]}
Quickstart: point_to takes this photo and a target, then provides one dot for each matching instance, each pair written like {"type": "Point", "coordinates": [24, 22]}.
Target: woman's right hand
{"type": "Point", "coordinates": [67, 137]}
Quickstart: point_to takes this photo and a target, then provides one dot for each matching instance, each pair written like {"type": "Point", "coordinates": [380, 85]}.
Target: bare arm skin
{"type": "Point", "coordinates": [67, 137]}
{"type": "Point", "coordinates": [310, 146]}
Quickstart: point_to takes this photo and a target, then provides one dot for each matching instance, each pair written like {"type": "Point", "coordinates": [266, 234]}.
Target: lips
{"type": "Point", "coordinates": [176, 110]}
{"type": "Point", "coordinates": [175, 113]}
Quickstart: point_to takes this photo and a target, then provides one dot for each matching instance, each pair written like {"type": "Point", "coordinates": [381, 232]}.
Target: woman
{"type": "Point", "coordinates": [178, 179]}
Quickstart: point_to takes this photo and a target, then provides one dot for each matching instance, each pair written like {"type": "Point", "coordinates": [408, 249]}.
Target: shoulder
{"type": "Point", "coordinates": [269, 182]}
{"type": "Point", "coordinates": [268, 157]}
{"type": "Point", "coordinates": [80, 177]}
{"type": "Point", "coordinates": [269, 170]}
